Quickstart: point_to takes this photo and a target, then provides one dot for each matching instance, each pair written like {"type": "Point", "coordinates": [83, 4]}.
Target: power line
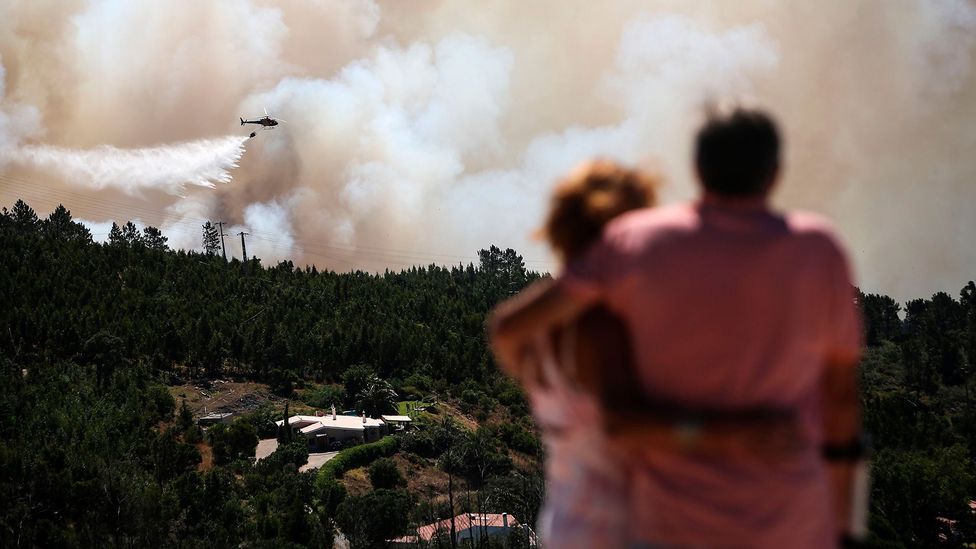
{"type": "Point", "coordinates": [55, 194]}
{"type": "Point", "coordinates": [327, 250]}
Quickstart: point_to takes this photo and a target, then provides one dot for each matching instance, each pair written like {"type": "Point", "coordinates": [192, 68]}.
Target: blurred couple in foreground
{"type": "Point", "coordinates": [693, 367]}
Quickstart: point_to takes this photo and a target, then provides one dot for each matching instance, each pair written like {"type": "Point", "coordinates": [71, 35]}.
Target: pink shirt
{"type": "Point", "coordinates": [729, 306]}
{"type": "Point", "coordinates": [586, 495]}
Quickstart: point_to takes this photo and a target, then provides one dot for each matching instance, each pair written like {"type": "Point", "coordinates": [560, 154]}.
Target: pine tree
{"type": "Point", "coordinates": [23, 216]}
{"type": "Point", "coordinates": [153, 239]}
{"type": "Point", "coordinates": [211, 239]}
{"type": "Point", "coordinates": [115, 236]}
{"type": "Point", "coordinates": [130, 234]}
{"type": "Point", "coordinates": [284, 434]}
{"type": "Point", "coordinates": [185, 419]}
{"type": "Point", "coordinates": [59, 225]}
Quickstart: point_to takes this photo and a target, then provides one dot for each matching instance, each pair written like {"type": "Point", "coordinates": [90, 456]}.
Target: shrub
{"type": "Point", "coordinates": [170, 457]}
{"type": "Point", "coordinates": [470, 399]}
{"type": "Point", "coordinates": [518, 438]}
{"type": "Point", "coordinates": [331, 493]}
{"type": "Point", "coordinates": [325, 396]}
{"type": "Point", "coordinates": [441, 386]}
{"type": "Point", "coordinates": [295, 454]}
{"type": "Point", "coordinates": [419, 382]}
{"type": "Point", "coordinates": [263, 420]}
{"type": "Point", "coordinates": [383, 473]}
{"type": "Point", "coordinates": [370, 520]}
{"type": "Point", "coordinates": [235, 442]}
{"type": "Point", "coordinates": [193, 435]}
{"type": "Point", "coordinates": [486, 405]}
{"type": "Point", "coordinates": [409, 392]}
{"type": "Point", "coordinates": [483, 455]}
{"type": "Point", "coordinates": [419, 442]}
{"type": "Point", "coordinates": [161, 403]}
{"type": "Point", "coordinates": [283, 382]}
{"type": "Point", "coordinates": [358, 456]}
{"type": "Point", "coordinates": [511, 395]}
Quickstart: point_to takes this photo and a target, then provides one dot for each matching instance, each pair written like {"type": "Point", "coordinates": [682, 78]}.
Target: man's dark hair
{"type": "Point", "coordinates": [737, 153]}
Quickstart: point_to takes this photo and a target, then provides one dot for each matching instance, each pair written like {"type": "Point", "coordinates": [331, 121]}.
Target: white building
{"type": "Point", "coordinates": [397, 422]}
{"type": "Point", "coordinates": [214, 418]}
{"type": "Point", "coordinates": [323, 431]}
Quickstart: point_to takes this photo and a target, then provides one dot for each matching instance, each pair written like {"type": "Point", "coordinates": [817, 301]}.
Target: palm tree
{"type": "Point", "coordinates": [452, 437]}
{"type": "Point", "coordinates": [377, 397]}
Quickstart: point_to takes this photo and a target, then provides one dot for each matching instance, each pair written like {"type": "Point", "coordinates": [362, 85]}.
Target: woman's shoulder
{"type": "Point", "coordinates": [658, 217]}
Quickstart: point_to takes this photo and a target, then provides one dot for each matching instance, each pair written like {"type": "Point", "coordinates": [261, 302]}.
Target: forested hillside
{"type": "Point", "coordinates": [274, 323]}
{"type": "Point", "coordinates": [96, 451]}
{"type": "Point", "coordinates": [918, 389]}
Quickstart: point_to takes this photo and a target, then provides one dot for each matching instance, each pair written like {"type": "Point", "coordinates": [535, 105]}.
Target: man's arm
{"type": "Point", "coordinates": [768, 434]}
{"type": "Point", "coordinates": [536, 310]}
{"type": "Point", "coordinates": [842, 433]}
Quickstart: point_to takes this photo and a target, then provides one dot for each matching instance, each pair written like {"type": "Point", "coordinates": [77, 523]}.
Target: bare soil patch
{"type": "Point", "coordinates": [206, 453]}
{"type": "Point", "coordinates": [422, 475]}
{"type": "Point", "coordinates": [357, 482]}
{"type": "Point", "coordinates": [209, 396]}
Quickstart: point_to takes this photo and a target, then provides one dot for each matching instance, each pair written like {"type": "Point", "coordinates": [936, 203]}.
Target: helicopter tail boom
{"type": "Point", "coordinates": [242, 121]}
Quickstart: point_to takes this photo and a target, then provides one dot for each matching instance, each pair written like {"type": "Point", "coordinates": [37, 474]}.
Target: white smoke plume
{"type": "Point", "coordinates": [421, 133]}
{"type": "Point", "coordinates": [17, 122]}
{"type": "Point", "coordinates": [168, 168]}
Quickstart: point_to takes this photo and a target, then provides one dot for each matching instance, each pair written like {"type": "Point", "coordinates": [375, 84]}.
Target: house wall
{"type": "Point", "coordinates": [372, 434]}
{"type": "Point", "coordinates": [474, 533]}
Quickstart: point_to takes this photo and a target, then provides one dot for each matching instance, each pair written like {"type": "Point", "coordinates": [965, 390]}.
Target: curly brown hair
{"type": "Point", "coordinates": [588, 198]}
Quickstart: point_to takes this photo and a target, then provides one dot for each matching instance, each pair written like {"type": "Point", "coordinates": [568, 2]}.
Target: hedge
{"type": "Point", "coordinates": [358, 456]}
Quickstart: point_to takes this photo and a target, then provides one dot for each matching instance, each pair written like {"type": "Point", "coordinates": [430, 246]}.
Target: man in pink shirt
{"type": "Point", "coordinates": [730, 307]}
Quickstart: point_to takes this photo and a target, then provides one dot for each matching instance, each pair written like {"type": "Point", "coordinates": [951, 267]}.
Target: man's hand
{"type": "Point", "coordinates": [773, 437]}
{"type": "Point", "coordinates": [842, 425]}
{"type": "Point", "coordinates": [507, 349]}
{"type": "Point", "coordinates": [537, 310]}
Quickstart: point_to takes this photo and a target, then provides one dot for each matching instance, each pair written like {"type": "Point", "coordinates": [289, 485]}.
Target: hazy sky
{"type": "Point", "coordinates": [419, 132]}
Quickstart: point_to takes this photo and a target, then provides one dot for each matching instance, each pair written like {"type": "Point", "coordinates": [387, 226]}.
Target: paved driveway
{"type": "Point", "coordinates": [317, 460]}
{"type": "Point", "coordinates": [267, 447]}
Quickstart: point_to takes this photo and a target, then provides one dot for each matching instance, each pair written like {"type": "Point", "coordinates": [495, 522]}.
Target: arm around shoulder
{"type": "Point", "coordinates": [538, 309]}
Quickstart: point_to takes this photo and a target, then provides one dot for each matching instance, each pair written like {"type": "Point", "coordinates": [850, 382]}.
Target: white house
{"type": "Point", "coordinates": [325, 430]}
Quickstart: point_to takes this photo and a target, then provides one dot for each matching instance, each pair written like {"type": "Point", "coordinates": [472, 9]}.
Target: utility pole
{"type": "Point", "coordinates": [243, 247]}
{"type": "Point", "coordinates": [223, 250]}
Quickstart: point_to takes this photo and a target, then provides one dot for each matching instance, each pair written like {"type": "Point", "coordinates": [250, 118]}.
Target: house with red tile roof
{"type": "Point", "coordinates": [469, 528]}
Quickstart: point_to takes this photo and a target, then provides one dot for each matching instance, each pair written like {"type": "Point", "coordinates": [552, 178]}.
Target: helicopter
{"type": "Point", "coordinates": [267, 121]}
